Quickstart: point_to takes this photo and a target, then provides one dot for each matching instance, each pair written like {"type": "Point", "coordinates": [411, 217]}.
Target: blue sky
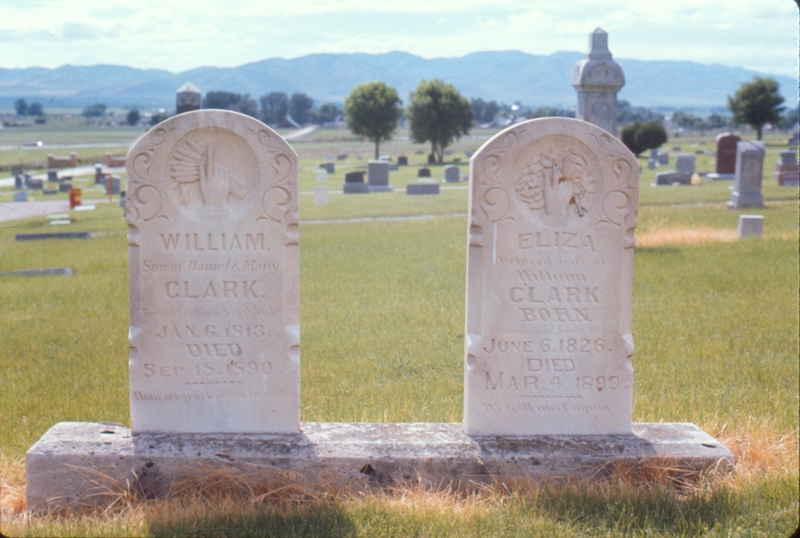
{"type": "Point", "coordinates": [180, 35]}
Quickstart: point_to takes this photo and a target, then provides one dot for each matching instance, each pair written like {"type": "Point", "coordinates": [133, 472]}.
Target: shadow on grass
{"type": "Point", "coordinates": [320, 520]}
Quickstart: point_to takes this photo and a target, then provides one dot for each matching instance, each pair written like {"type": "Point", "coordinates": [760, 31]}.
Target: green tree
{"type": "Point", "coordinates": [133, 117]}
{"type": "Point", "coordinates": [326, 113]}
{"type": "Point", "coordinates": [650, 135]}
{"type": "Point", "coordinates": [274, 107]}
{"type": "Point", "coordinates": [716, 121]}
{"type": "Point", "coordinates": [438, 114]}
{"type": "Point", "coordinates": [94, 111]}
{"type": "Point", "coordinates": [231, 101]}
{"type": "Point", "coordinates": [299, 107]}
{"type": "Point", "coordinates": [639, 136]}
{"type": "Point", "coordinates": [628, 137]}
{"type": "Point", "coordinates": [372, 110]}
{"type": "Point", "coordinates": [483, 111]}
{"type": "Point", "coordinates": [21, 106]}
{"type": "Point", "coordinates": [757, 103]}
{"type": "Point", "coordinates": [35, 109]}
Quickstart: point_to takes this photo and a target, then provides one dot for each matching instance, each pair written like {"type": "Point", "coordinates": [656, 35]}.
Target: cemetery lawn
{"type": "Point", "coordinates": [715, 324]}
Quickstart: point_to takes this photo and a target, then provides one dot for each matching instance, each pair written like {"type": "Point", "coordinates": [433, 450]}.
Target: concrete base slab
{"type": "Point", "coordinates": [79, 463]}
{"type": "Point", "coordinates": [380, 188]}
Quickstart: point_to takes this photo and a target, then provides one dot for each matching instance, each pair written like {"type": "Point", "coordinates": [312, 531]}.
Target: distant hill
{"type": "Point", "coordinates": [503, 76]}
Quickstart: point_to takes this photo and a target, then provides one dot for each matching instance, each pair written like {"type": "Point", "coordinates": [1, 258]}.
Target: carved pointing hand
{"type": "Point", "coordinates": [557, 194]}
{"type": "Point", "coordinates": [215, 182]}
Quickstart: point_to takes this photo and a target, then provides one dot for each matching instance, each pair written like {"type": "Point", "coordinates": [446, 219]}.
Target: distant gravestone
{"type": "Point", "coordinates": [322, 175]}
{"type": "Point", "coordinates": [553, 207]}
{"type": "Point", "coordinates": [19, 181]}
{"type": "Point", "coordinates": [341, 157]}
{"type": "Point", "coordinates": [749, 173]}
{"type": "Point", "coordinates": [115, 182]}
{"type": "Point", "coordinates": [431, 159]}
{"type": "Point", "coordinates": [214, 277]}
{"type": "Point", "coordinates": [673, 177]}
{"type": "Point", "coordinates": [787, 171]}
{"type": "Point", "coordinates": [725, 162]}
{"type": "Point", "coordinates": [47, 192]}
{"type": "Point", "coordinates": [452, 174]}
{"type": "Point", "coordinates": [354, 177]}
{"type": "Point", "coordinates": [424, 172]}
{"type": "Point", "coordinates": [99, 176]}
{"type": "Point", "coordinates": [750, 226]}
{"type": "Point", "coordinates": [20, 196]}
{"type": "Point", "coordinates": [64, 187]}
{"type": "Point", "coordinates": [52, 174]}
{"type": "Point", "coordinates": [663, 158]}
{"type": "Point", "coordinates": [378, 176]}
{"type": "Point", "coordinates": [597, 79]}
{"type": "Point", "coordinates": [32, 183]}
{"type": "Point", "coordinates": [402, 160]}
{"type": "Point", "coordinates": [354, 183]}
{"type": "Point", "coordinates": [320, 196]}
{"type": "Point", "coordinates": [329, 167]}
{"type": "Point", "coordinates": [422, 188]}
{"type": "Point", "coordinates": [651, 164]}
{"type": "Point", "coordinates": [685, 164]}
{"type": "Point", "coordinates": [187, 98]}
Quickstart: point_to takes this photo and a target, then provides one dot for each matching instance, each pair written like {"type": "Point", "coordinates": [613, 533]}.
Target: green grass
{"type": "Point", "coordinates": [382, 306]}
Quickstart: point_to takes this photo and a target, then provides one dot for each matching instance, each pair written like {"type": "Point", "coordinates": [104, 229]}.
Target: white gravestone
{"type": "Point", "coordinates": [552, 207]}
{"type": "Point", "coordinates": [214, 277]}
{"type": "Point", "coordinates": [320, 195]}
{"type": "Point", "coordinates": [750, 225]}
{"type": "Point", "coordinates": [749, 172]}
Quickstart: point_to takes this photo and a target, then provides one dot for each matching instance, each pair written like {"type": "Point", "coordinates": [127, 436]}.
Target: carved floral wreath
{"type": "Point", "coordinates": [558, 179]}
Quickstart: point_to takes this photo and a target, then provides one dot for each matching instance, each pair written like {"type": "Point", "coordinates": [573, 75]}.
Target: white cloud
{"type": "Point", "coordinates": [179, 35]}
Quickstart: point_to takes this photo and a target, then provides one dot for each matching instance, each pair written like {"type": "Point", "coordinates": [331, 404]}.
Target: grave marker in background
{"type": "Point", "coordinates": [378, 175]}
{"type": "Point", "coordinates": [214, 280]}
{"type": "Point", "coordinates": [725, 163]}
{"type": "Point", "coordinates": [553, 206]}
{"type": "Point", "coordinates": [749, 172]}
{"type": "Point", "coordinates": [597, 79]}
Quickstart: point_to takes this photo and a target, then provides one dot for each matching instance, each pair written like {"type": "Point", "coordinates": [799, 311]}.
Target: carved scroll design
{"type": "Point", "coordinates": [278, 205]}
{"type": "Point", "coordinates": [618, 207]}
{"type": "Point", "coordinates": [147, 202]}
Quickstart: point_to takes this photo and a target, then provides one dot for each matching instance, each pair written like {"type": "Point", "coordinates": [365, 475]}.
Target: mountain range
{"type": "Point", "coordinates": [507, 76]}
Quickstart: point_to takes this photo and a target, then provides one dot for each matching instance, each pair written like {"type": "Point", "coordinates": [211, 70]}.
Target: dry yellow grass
{"type": "Point", "coordinates": [758, 448]}
{"type": "Point", "coordinates": [682, 235]}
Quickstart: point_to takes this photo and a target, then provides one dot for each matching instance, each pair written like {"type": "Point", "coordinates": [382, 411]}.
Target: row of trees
{"type": "Point", "coordinates": [437, 114]}
{"type": "Point", "coordinates": [274, 107]}
{"type": "Point", "coordinates": [23, 108]}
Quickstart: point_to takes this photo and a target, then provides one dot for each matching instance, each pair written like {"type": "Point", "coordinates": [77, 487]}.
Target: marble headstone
{"type": "Point", "coordinates": [787, 171]}
{"type": "Point", "coordinates": [685, 164]}
{"type": "Point", "coordinates": [726, 153]}
{"type": "Point", "coordinates": [750, 225]}
{"type": "Point", "coordinates": [552, 205]}
{"type": "Point", "coordinates": [320, 195]}
{"type": "Point", "coordinates": [452, 174]}
{"type": "Point", "coordinates": [378, 175]}
{"type": "Point", "coordinates": [597, 79]}
{"type": "Point", "coordinates": [749, 173]}
{"type": "Point", "coordinates": [213, 261]}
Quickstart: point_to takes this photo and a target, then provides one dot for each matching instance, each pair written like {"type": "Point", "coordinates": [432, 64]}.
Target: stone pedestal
{"type": "Point", "coordinates": [597, 79]}
{"type": "Point", "coordinates": [82, 464]}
